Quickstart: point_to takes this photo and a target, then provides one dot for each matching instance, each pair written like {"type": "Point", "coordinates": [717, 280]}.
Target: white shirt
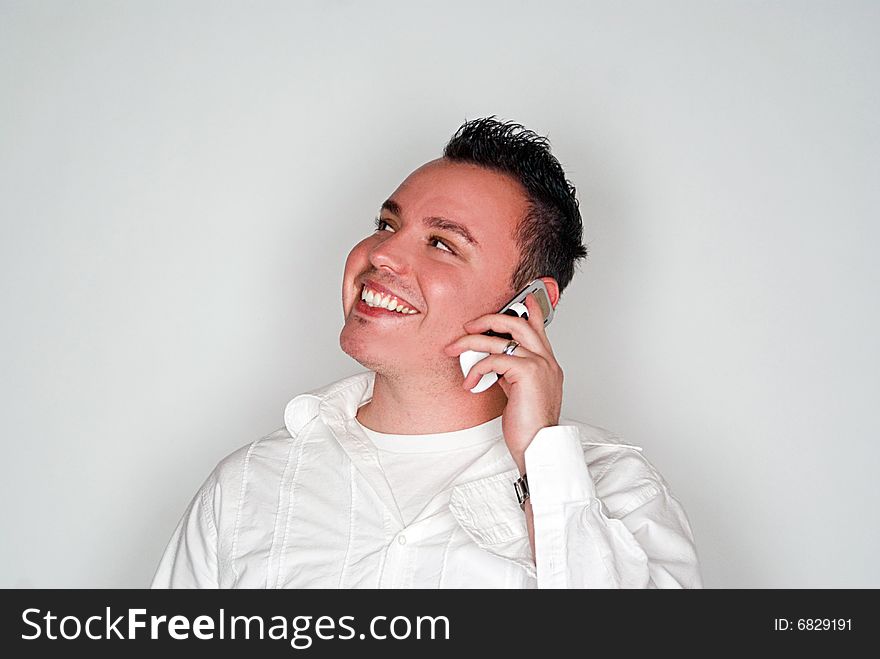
{"type": "Point", "coordinates": [308, 506]}
{"type": "Point", "coordinates": [420, 468]}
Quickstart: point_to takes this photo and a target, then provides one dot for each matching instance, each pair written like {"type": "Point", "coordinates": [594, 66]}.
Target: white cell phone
{"type": "Point", "coordinates": [514, 307]}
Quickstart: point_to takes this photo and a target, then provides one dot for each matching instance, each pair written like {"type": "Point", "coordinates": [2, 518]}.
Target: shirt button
{"type": "Point", "coordinates": [401, 539]}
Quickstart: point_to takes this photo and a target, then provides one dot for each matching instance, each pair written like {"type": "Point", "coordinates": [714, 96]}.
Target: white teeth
{"type": "Point", "coordinates": [386, 301]}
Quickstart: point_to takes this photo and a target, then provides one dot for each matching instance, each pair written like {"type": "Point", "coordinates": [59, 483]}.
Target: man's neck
{"type": "Point", "coordinates": [405, 407]}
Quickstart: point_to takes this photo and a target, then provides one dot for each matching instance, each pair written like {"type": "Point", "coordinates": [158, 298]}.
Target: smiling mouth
{"type": "Point", "coordinates": [377, 300]}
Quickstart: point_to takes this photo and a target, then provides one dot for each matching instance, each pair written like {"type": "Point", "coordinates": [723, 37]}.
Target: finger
{"type": "Point", "coordinates": [500, 364]}
{"type": "Point", "coordinates": [512, 368]}
{"type": "Point", "coordinates": [482, 343]}
{"type": "Point", "coordinates": [518, 328]}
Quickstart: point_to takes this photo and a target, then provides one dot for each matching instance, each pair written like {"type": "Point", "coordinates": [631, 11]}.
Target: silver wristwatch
{"type": "Point", "coordinates": [521, 486]}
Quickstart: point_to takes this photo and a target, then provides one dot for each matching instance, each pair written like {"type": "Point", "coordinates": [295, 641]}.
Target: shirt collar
{"type": "Point", "coordinates": [338, 401]}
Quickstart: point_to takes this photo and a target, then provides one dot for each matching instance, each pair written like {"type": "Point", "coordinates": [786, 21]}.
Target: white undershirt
{"type": "Point", "coordinates": [419, 466]}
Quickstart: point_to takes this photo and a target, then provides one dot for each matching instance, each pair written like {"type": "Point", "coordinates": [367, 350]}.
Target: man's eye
{"type": "Point", "coordinates": [381, 225]}
{"type": "Point", "coordinates": [435, 239]}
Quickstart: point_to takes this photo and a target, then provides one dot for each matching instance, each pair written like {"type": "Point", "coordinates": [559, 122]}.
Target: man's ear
{"type": "Point", "coordinates": [552, 290]}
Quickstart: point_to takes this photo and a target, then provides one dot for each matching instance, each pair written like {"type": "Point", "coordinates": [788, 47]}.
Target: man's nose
{"type": "Point", "coordinates": [391, 254]}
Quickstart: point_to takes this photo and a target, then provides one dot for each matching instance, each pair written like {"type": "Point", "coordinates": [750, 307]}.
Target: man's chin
{"type": "Point", "coordinates": [362, 351]}
{"type": "Point", "coordinates": [369, 359]}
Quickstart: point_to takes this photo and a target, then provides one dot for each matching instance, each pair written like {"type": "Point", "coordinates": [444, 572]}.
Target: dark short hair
{"type": "Point", "coordinates": [549, 235]}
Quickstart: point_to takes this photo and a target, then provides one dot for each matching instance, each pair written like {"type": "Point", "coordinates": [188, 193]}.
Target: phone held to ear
{"type": "Point", "coordinates": [515, 307]}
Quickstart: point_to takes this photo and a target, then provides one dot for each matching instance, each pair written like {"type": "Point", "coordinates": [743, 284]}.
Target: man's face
{"type": "Point", "coordinates": [432, 268]}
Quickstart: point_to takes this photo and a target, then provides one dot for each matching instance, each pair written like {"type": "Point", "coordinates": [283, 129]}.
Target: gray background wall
{"type": "Point", "coordinates": [180, 183]}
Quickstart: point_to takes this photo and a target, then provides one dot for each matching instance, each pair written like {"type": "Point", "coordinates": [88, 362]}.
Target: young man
{"type": "Point", "coordinates": [401, 477]}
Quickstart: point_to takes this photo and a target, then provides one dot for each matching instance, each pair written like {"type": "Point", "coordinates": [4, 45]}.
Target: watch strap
{"type": "Point", "coordinates": [521, 487]}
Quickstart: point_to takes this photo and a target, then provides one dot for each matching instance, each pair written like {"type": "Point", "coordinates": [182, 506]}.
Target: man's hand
{"type": "Point", "coordinates": [532, 377]}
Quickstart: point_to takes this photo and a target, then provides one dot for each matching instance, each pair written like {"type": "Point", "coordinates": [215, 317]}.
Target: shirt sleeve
{"type": "Point", "coordinates": [190, 559]}
{"type": "Point", "coordinates": [647, 544]}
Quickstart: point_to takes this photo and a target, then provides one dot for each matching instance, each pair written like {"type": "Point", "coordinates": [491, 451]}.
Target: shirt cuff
{"type": "Point", "coordinates": [556, 467]}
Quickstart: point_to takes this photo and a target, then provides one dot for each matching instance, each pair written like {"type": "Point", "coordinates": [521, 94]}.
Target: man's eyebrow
{"type": "Point", "coordinates": [441, 223]}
